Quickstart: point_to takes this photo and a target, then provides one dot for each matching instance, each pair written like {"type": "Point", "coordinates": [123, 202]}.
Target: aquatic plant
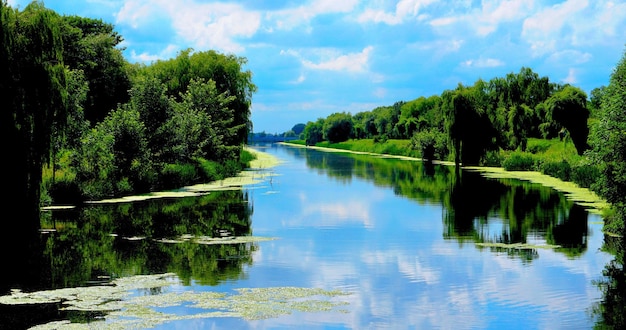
{"type": "Point", "coordinates": [138, 302]}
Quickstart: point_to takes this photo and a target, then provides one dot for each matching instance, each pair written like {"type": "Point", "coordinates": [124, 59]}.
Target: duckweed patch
{"type": "Point", "coordinates": [582, 196]}
{"type": "Point", "coordinates": [207, 240]}
{"type": "Point", "coordinates": [519, 246]}
{"type": "Point", "coordinates": [130, 303]}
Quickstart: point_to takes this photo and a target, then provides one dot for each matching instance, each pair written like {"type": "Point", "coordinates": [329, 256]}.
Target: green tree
{"type": "Point", "coordinates": [298, 128]}
{"type": "Point", "coordinates": [337, 127]}
{"type": "Point", "coordinates": [200, 125]}
{"type": "Point", "coordinates": [149, 98]}
{"type": "Point", "coordinates": [519, 122]}
{"type": "Point", "coordinates": [568, 108]}
{"type": "Point", "coordinates": [91, 45]}
{"type": "Point", "coordinates": [228, 73]}
{"type": "Point", "coordinates": [314, 132]}
{"type": "Point", "coordinates": [34, 89]}
{"type": "Point", "coordinates": [114, 158]}
{"type": "Point", "coordinates": [431, 143]}
{"type": "Point", "coordinates": [608, 143]}
{"type": "Point", "coordinates": [469, 129]}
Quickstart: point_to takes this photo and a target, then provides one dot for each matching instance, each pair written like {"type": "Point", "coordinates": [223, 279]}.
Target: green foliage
{"type": "Point", "coordinates": [178, 175]}
{"type": "Point", "coordinates": [245, 157]}
{"type": "Point", "coordinates": [468, 125]}
{"type": "Point", "coordinates": [431, 143]}
{"type": "Point", "coordinates": [337, 127]}
{"type": "Point", "coordinates": [33, 86]}
{"type": "Point", "coordinates": [538, 145]}
{"type": "Point", "coordinates": [568, 108]}
{"type": "Point", "coordinates": [389, 147]}
{"type": "Point", "coordinates": [314, 132]}
{"type": "Point", "coordinates": [608, 141]}
{"type": "Point", "coordinates": [585, 174]}
{"type": "Point", "coordinates": [228, 74]}
{"type": "Point", "coordinates": [561, 170]}
{"type": "Point", "coordinates": [90, 46]}
{"type": "Point", "coordinates": [519, 161]}
{"type": "Point", "coordinates": [298, 129]}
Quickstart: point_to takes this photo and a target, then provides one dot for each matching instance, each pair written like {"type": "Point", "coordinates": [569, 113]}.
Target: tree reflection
{"type": "Point", "coordinates": [611, 310]}
{"type": "Point", "coordinates": [97, 243]}
{"type": "Point", "coordinates": [475, 209]}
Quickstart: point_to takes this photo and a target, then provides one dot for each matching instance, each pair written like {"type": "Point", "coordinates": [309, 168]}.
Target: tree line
{"type": "Point", "coordinates": [465, 123]}
{"type": "Point", "coordinates": [476, 124]}
{"type": "Point", "coordinates": [79, 122]}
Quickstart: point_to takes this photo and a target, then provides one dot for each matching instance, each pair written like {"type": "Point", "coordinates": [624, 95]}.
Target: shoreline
{"type": "Point", "coordinates": [579, 195]}
{"type": "Point", "coordinates": [251, 175]}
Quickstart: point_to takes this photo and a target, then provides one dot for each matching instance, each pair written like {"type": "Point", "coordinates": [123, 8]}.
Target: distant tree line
{"type": "Point", "coordinates": [100, 126]}
{"type": "Point", "coordinates": [465, 123]}
{"type": "Point", "coordinates": [292, 134]}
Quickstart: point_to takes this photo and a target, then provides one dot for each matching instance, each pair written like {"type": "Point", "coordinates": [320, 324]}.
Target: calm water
{"type": "Point", "coordinates": [409, 246]}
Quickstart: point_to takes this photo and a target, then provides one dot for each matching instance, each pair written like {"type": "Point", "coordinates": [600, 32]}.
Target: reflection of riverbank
{"type": "Point", "coordinates": [579, 195]}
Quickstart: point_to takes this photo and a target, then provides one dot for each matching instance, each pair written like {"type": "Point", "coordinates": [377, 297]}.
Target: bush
{"type": "Point", "coordinates": [245, 157]}
{"type": "Point", "coordinates": [538, 146]}
{"type": "Point", "coordinates": [210, 170]}
{"type": "Point", "coordinates": [178, 175]}
{"type": "Point", "coordinates": [585, 174]}
{"type": "Point", "coordinates": [561, 170]}
{"type": "Point", "coordinates": [64, 191]}
{"type": "Point", "coordinates": [519, 161]}
{"type": "Point", "coordinates": [492, 158]}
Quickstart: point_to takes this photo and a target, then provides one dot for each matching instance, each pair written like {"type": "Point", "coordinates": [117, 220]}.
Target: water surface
{"type": "Point", "coordinates": [402, 244]}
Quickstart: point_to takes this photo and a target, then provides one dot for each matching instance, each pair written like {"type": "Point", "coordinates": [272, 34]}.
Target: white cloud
{"type": "Point", "coordinates": [543, 28]}
{"type": "Point", "coordinates": [332, 61]}
{"type": "Point", "coordinates": [168, 52]}
{"type": "Point", "coordinates": [483, 63]}
{"type": "Point", "coordinates": [287, 19]}
{"type": "Point", "coordinates": [569, 56]}
{"type": "Point", "coordinates": [571, 77]}
{"type": "Point", "coordinates": [205, 25]}
{"type": "Point", "coordinates": [486, 19]}
{"type": "Point", "coordinates": [404, 9]}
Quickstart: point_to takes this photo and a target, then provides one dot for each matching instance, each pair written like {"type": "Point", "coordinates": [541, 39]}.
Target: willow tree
{"type": "Point", "coordinates": [32, 82]}
{"type": "Point", "coordinates": [568, 108]}
{"type": "Point", "coordinates": [469, 129]}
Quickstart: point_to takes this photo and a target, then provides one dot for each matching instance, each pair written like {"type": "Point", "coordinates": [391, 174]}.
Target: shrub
{"type": "Point", "coordinates": [245, 157]}
{"type": "Point", "coordinates": [585, 174]}
{"type": "Point", "coordinates": [210, 170]}
{"type": "Point", "coordinates": [492, 158]}
{"type": "Point", "coordinates": [538, 146]}
{"type": "Point", "coordinates": [519, 161]}
{"type": "Point", "coordinates": [178, 175]}
{"type": "Point", "coordinates": [561, 170]}
{"type": "Point", "coordinates": [64, 191]}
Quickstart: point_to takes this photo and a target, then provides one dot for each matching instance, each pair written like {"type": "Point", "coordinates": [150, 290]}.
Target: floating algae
{"type": "Point", "coordinates": [579, 195]}
{"type": "Point", "coordinates": [129, 305]}
{"type": "Point", "coordinates": [519, 246]}
{"type": "Point", "coordinates": [207, 240]}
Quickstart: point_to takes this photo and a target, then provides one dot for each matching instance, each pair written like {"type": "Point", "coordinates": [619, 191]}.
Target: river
{"type": "Point", "coordinates": [324, 241]}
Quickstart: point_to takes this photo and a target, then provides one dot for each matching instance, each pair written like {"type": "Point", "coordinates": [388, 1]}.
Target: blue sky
{"type": "Point", "coordinates": [313, 58]}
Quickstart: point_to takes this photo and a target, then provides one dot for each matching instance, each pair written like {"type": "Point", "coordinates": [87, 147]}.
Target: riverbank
{"type": "Point", "coordinates": [579, 195]}
{"type": "Point", "coordinates": [256, 173]}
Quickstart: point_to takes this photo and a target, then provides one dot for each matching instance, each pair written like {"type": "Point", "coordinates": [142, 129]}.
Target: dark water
{"type": "Point", "coordinates": [408, 245]}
